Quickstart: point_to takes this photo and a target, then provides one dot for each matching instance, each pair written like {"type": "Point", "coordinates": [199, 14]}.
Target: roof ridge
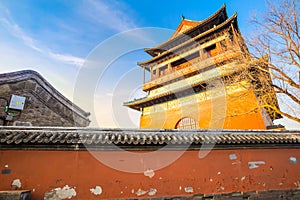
{"type": "Point", "coordinates": [223, 8]}
{"type": "Point", "coordinates": [233, 17]}
{"type": "Point", "coordinates": [10, 137]}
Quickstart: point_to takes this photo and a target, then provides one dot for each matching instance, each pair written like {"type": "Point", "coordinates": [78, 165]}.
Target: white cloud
{"type": "Point", "coordinates": [108, 15]}
{"type": "Point", "coordinates": [15, 30]}
{"type": "Point", "coordinates": [69, 59]}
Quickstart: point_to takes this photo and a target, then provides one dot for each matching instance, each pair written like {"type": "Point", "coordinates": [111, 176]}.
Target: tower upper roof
{"type": "Point", "coordinates": [188, 29]}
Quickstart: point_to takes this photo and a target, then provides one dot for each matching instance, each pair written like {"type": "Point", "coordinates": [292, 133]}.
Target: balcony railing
{"type": "Point", "coordinates": [189, 67]}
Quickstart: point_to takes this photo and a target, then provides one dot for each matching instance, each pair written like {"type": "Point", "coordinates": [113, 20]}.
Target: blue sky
{"type": "Point", "coordinates": [74, 28]}
{"type": "Point", "coordinates": [55, 37]}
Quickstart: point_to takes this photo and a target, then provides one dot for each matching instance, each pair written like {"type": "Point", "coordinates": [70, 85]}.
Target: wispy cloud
{"type": "Point", "coordinates": [14, 29]}
{"type": "Point", "coordinates": [110, 15]}
{"type": "Point", "coordinates": [67, 58]}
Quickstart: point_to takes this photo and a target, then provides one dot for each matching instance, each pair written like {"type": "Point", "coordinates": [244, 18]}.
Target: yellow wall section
{"type": "Point", "coordinates": [239, 110]}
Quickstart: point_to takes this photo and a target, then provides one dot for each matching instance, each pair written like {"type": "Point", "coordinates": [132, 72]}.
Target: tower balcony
{"type": "Point", "coordinates": [193, 66]}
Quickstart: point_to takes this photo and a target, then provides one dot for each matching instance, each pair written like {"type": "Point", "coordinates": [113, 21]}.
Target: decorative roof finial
{"type": "Point", "coordinates": [182, 17]}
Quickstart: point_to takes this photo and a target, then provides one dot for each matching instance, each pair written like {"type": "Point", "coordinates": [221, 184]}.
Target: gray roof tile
{"type": "Point", "coordinates": [89, 136]}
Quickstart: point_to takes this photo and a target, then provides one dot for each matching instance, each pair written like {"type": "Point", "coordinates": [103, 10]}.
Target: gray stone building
{"type": "Point", "coordinates": [27, 99]}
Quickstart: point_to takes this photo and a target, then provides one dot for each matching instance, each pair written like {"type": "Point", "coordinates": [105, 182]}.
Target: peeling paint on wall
{"type": "Point", "coordinates": [60, 193]}
{"type": "Point", "coordinates": [293, 160]}
{"type": "Point", "coordinates": [149, 172]}
{"type": "Point", "coordinates": [297, 184]}
{"type": "Point", "coordinates": [232, 156]}
{"type": "Point", "coordinates": [141, 192]}
{"type": "Point", "coordinates": [255, 164]}
{"type": "Point", "coordinates": [16, 184]}
{"type": "Point", "coordinates": [97, 190]}
{"type": "Point", "coordinates": [66, 192]}
{"type": "Point", "coordinates": [189, 189]}
{"type": "Point", "coordinates": [152, 191]}
{"type": "Point", "coordinates": [243, 178]}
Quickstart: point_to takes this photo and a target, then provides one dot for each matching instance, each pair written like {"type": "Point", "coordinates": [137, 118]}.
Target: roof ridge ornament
{"type": "Point", "coordinates": [182, 17]}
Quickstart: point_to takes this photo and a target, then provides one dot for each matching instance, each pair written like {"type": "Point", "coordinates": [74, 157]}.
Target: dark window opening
{"type": "Point", "coordinates": [163, 70]}
{"type": "Point", "coordinates": [210, 48]}
{"type": "Point", "coordinates": [186, 61]}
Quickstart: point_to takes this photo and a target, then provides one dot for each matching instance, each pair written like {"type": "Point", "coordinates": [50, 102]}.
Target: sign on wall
{"type": "Point", "coordinates": [17, 102]}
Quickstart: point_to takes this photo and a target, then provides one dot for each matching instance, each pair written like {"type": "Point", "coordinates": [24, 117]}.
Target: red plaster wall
{"type": "Point", "coordinates": [41, 171]}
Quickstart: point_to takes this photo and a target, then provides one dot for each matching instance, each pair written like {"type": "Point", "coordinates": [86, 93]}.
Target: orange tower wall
{"type": "Point", "coordinates": [237, 111]}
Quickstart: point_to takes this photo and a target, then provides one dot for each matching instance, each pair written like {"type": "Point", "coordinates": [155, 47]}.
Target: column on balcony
{"type": "Point", "coordinates": [157, 73]}
{"type": "Point", "coordinates": [152, 73]}
{"type": "Point", "coordinates": [201, 52]}
{"type": "Point", "coordinates": [228, 42]}
{"type": "Point", "coordinates": [169, 68]}
{"type": "Point", "coordinates": [235, 38]}
{"type": "Point", "coordinates": [218, 46]}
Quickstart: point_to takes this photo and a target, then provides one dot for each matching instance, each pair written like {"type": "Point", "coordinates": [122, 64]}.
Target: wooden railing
{"type": "Point", "coordinates": [189, 67]}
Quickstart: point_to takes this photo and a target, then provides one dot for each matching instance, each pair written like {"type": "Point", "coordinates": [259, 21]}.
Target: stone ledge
{"type": "Point", "coordinates": [257, 195]}
{"type": "Point", "coordinates": [15, 195]}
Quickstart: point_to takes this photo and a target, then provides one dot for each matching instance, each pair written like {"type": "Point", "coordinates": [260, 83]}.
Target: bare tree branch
{"type": "Point", "coordinates": [278, 37]}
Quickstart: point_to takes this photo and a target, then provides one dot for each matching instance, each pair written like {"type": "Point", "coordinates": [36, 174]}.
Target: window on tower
{"type": "Point", "coordinates": [187, 123]}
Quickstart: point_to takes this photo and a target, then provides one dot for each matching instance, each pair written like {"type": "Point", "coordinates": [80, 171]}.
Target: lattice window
{"type": "Point", "coordinates": [187, 123]}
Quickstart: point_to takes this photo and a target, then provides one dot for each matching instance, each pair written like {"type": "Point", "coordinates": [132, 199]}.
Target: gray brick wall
{"type": "Point", "coordinates": [44, 106]}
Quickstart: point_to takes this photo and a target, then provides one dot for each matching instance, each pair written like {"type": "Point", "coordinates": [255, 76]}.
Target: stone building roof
{"type": "Point", "coordinates": [45, 92]}
{"type": "Point", "coordinates": [18, 137]}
